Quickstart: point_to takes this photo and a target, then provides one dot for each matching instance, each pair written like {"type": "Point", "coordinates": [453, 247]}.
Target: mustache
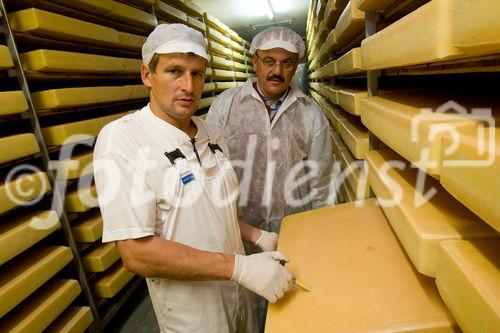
{"type": "Point", "coordinates": [276, 77]}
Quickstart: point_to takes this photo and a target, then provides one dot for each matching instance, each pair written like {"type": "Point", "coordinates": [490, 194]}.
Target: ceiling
{"type": "Point", "coordinates": [243, 15]}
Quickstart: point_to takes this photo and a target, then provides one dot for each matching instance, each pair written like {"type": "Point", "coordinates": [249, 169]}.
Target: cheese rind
{"type": "Point", "coordinates": [66, 97]}
{"type": "Point", "coordinates": [101, 257]}
{"type": "Point", "coordinates": [23, 189]}
{"type": "Point", "coordinates": [75, 319]}
{"type": "Point", "coordinates": [112, 281]}
{"type": "Point", "coordinates": [355, 137]}
{"type": "Point", "coordinates": [12, 102]}
{"type": "Point", "coordinates": [5, 58]}
{"type": "Point", "coordinates": [14, 147]}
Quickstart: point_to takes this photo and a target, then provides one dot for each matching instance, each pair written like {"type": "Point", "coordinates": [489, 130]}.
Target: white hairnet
{"type": "Point", "coordinates": [171, 38]}
{"type": "Point", "coordinates": [278, 37]}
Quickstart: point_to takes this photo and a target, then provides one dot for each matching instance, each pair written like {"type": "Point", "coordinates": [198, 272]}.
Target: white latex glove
{"type": "Point", "coordinates": [263, 274]}
{"type": "Point", "coordinates": [268, 241]}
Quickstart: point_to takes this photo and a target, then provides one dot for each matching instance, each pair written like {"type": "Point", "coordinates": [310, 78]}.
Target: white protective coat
{"type": "Point", "coordinates": [151, 199]}
{"type": "Point", "coordinates": [283, 167]}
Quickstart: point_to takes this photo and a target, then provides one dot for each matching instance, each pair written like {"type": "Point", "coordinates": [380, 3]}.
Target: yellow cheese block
{"type": "Point", "coordinates": [75, 319]}
{"type": "Point", "coordinates": [87, 229]}
{"type": "Point", "coordinates": [218, 36]}
{"type": "Point", "coordinates": [315, 86]}
{"type": "Point", "coordinates": [221, 73]}
{"type": "Point", "coordinates": [476, 186]}
{"type": "Point", "coordinates": [221, 62]}
{"type": "Point", "coordinates": [346, 193]}
{"type": "Point", "coordinates": [330, 42]}
{"type": "Point", "coordinates": [193, 9]}
{"type": "Point", "coordinates": [72, 132]}
{"type": "Point", "coordinates": [80, 201]}
{"type": "Point", "coordinates": [362, 280]}
{"type": "Point", "coordinates": [430, 32]}
{"type": "Point", "coordinates": [239, 56]}
{"type": "Point", "coordinates": [350, 100]}
{"type": "Point", "coordinates": [208, 72]}
{"type": "Point", "coordinates": [12, 102]}
{"type": "Point", "coordinates": [206, 102]}
{"type": "Point", "coordinates": [75, 166]}
{"type": "Point", "coordinates": [130, 41]}
{"type": "Point", "coordinates": [338, 145]}
{"type": "Point", "coordinates": [112, 281]}
{"type": "Point", "coordinates": [219, 48]}
{"type": "Point", "coordinates": [132, 15]}
{"type": "Point", "coordinates": [196, 24]}
{"type": "Point", "coordinates": [338, 115]}
{"type": "Point", "coordinates": [350, 24]}
{"type": "Point", "coordinates": [138, 91]}
{"type": "Point", "coordinates": [349, 63]}
{"type": "Point", "coordinates": [47, 24]}
{"type": "Point", "coordinates": [66, 97]}
{"type": "Point", "coordinates": [100, 257]}
{"type": "Point", "coordinates": [23, 189]}
{"type": "Point", "coordinates": [5, 58]}
{"type": "Point", "coordinates": [468, 279]}
{"type": "Point", "coordinates": [420, 223]}
{"type": "Point", "coordinates": [224, 85]}
{"type": "Point", "coordinates": [216, 23]}
{"type": "Point", "coordinates": [355, 136]}
{"type": "Point", "coordinates": [28, 272]}
{"type": "Point", "coordinates": [170, 12]}
{"type": "Point", "coordinates": [237, 46]}
{"type": "Point", "coordinates": [131, 65]}
{"type": "Point", "coordinates": [368, 5]}
{"type": "Point", "coordinates": [17, 146]}
{"type": "Point", "coordinates": [322, 31]}
{"type": "Point", "coordinates": [21, 232]}
{"type": "Point", "coordinates": [239, 66]}
{"type": "Point", "coordinates": [476, 26]}
{"type": "Point", "coordinates": [330, 69]}
{"type": "Point", "coordinates": [329, 92]}
{"type": "Point", "coordinates": [354, 175]}
{"type": "Point", "coordinates": [90, 6]}
{"type": "Point", "coordinates": [396, 119]}
{"type": "Point", "coordinates": [41, 308]}
{"type": "Point", "coordinates": [209, 87]}
{"type": "Point", "coordinates": [62, 61]}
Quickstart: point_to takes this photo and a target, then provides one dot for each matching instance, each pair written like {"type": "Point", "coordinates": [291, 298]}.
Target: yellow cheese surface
{"type": "Point", "coordinates": [112, 281]}
{"type": "Point", "coordinates": [477, 186]}
{"type": "Point", "coordinates": [137, 91]}
{"type": "Point", "coordinates": [196, 24]}
{"type": "Point", "coordinates": [476, 26]}
{"type": "Point", "coordinates": [349, 63]}
{"type": "Point", "coordinates": [23, 189]}
{"type": "Point", "coordinates": [350, 24]}
{"type": "Point", "coordinates": [62, 61]}
{"type": "Point", "coordinates": [21, 232]}
{"type": "Point", "coordinates": [130, 41]}
{"type": "Point", "coordinates": [222, 73]}
{"type": "Point", "coordinates": [354, 175]}
{"type": "Point", "coordinates": [75, 167]}
{"type": "Point", "coordinates": [132, 15]}
{"type": "Point", "coordinates": [468, 279]}
{"type": "Point", "coordinates": [90, 6]}
{"type": "Point", "coordinates": [209, 87]}
{"type": "Point", "coordinates": [429, 30]}
{"type": "Point", "coordinates": [346, 193]}
{"type": "Point", "coordinates": [47, 24]}
{"type": "Point", "coordinates": [218, 36]}
{"type": "Point", "coordinates": [131, 65]}
{"type": "Point", "coordinates": [81, 200]}
{"type": "Point", "coordinates": [237, 46]}
{"type": "Point", "coordinates": [5, 58]}
{"type": "Point", "coordinates": [24, 275]}
{"type": "Point", "coordinates": [42, 307]}
{"type": "Point", "coordinates": [17, 146]}
{"type": "Point", "coordinates": [367, 5]}
{"type": "Point", "coordinates": [350, 100]}
{"type": "Point", "coordinates": [87, 229]}
{"type": "Point", "coordinates": [100, 257]}
{"type": "Point", "coordinates": [12, 102]}
{"type": "Point", "coordinates": [420, 223]}
{"type": "Point", "coordinates": [216, 23]}
{"type": "Point", "coordinates": [397, 120]}
{"type": "Point", "coordinates": [75, 319]}
{"type": "Point", "coordinates": [224, 85]}
{"type": "Point", "coordinates": [355, 136]}
{"type": "Point", "coordinates": [206, 102]}
{"type": "Point", "coordinates": [338, 145]}
{"type": "Point", "coordinates": [362, 280]}
{"type": "Point", "coordinates": [238, 56]}
{"type": "Point", "coordinates": [221, 62]}
{"type": "Point", "coordinates": [168, 11]}
{"type": "Point", "coordinates": [66, 97]}
{"type": "Point", "coordinates": [76, 131]}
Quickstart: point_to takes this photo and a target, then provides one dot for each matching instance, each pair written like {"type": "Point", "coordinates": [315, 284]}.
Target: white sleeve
{"type": "Point", "coordinates": [127, 203]}
{"type": "Point", "coordinates": [321, 152]}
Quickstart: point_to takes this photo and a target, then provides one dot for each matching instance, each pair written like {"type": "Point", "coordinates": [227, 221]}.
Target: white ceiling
{"type": "Point", "coordinates": [241, 15]}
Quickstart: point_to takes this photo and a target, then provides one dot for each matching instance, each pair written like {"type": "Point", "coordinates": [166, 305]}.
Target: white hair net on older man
{"type": "Point", "coordinates": [278, 37]}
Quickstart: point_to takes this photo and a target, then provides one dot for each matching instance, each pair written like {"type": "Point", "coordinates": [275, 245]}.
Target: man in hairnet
{"type": "Point", "coordinates": [278, 138]}
{"type": "Point", "coordinates": [167, 196]}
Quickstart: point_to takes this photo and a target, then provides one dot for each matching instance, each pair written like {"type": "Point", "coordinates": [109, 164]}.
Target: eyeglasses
{"type": "Point", "coordinates": [270, 62]}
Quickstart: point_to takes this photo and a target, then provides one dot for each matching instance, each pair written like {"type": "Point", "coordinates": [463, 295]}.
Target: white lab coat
{"type": "Point", "coordinates": [283, 167]}
{"type": "Point", "coordinates": [184, 202]}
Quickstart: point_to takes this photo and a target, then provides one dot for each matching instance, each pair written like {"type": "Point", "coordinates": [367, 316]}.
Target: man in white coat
{"type": "Point", "coordinates": [167, 195]}
{"type": "Point", "coordinates": [278, 139]}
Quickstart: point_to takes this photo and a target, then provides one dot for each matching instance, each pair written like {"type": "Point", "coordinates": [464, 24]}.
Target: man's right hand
{"type": "Point", "coordinates": [263, 274]}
